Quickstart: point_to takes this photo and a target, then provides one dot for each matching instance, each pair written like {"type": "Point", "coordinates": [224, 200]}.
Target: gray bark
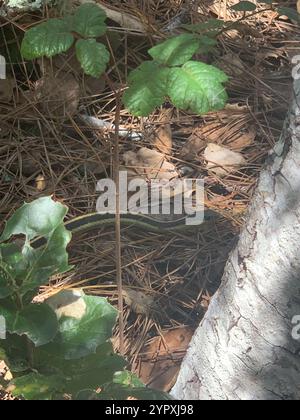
{"type": "Point", "coordinates": [244, 349]}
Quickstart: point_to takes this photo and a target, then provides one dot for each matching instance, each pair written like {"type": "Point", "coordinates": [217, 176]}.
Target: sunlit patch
{"type": "Point", "coordinates": [68, 303]}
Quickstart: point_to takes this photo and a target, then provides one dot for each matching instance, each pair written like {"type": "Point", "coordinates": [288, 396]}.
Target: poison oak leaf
{"type": "Point", "coordinates": [197, 87]}
{"type": "Point", "coordinates": [177, 50]}
{"type": "Point", "coordinates": [92, 56]}
{"type": "Point", "coordinates": [47, 39]}
{"type": "Point", "coordinates": [147, 88]}
{"type": "Point", "coordinates": [88, 21]}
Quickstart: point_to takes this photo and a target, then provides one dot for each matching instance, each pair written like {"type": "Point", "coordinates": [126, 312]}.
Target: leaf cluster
{"type": "Point", "coordinates": [61, 346]}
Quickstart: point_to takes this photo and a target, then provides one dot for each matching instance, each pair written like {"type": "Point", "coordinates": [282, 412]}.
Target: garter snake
{"type": "Point", "coordinates": [94, 221]}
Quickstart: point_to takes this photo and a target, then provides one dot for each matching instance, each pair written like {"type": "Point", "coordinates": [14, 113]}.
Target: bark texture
{"type": "Point", "coordinates": [244, 348]}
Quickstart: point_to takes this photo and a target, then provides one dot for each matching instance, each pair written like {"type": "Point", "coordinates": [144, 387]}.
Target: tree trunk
{"type": "Point", "coordinates": [244, 348]}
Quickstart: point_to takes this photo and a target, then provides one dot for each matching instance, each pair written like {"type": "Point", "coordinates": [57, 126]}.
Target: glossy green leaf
{"type": "Point", "coordinates": [88, 372]}
{"type": "Point", "coordinates": [244, 6]}
{"type": "Point", "coordinates": [39, 218]}
{"type": "Point", "coordinates": [43, 217]}
{"type": "Point", "coordinates": [37, 387]}
{"type": "Point", "coordinates": [85, 322]}
{"type": "Point", "coordinates": [37, 322]}
{"type": "Point", "coordinates": [46, 261]}
{"type": "Point", "coordinates": [147, 88]}
{"type": "Point", "coordinates": [177, 50]}
{"type": "Point", "coordinates": [89, 21]}
{"type": "Point", "coordinates": [47, 39]}
{"type": "Point", "coordinates": [197, 87]}
{"type": "Point", "coordinates": [92, 56]}
{"type": "Point", "coordinates": [51, 359]}
{"type": "Point", "coordinates": [97, 376]}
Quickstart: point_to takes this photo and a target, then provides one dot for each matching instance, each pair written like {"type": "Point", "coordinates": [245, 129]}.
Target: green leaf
{"type": "Point", "coordinates": [46, 261]}
{"type": "Point", "coordinates": [37, 387]}
{"type": "Point", "coordinates": [176, 51]}
{"type": "Point", "coordinates": [47, 39]}
{"type": "Point", "coordinates": [127, 384]}
{"type": "Point", "coordinates": [33, 267]}
{"type": "Point", "coordinates": [92, 371]}
{"type": "Point", "coordinates": [124, 385]}
{"type": "Point", "coordinates": [244, 6]}
{"type": "Point", "coordinates": [39, 218]}
{"type": "Point", "coordinates": [98, 375]}
{"type": "Point", "coordinates": [292, 14]}
{"type": "Point", "coordinates": [85, 322]}
{"type": "Point", "coordinates": [16, 353]}
{"type": "Point", "coordinates": [197, 87]}
{"type": "Point", "coordinates": [147, 89]}
{"type": "Point", "coordinates": [88, 21]}
{"type": "Point", "coordinates": [10, 253]}
{"type": "Point", "coordinates": [11, 262]}
{"type": "Point", "coordinates": [92, 56]}
{"type": "Point", "coordinates": [7, 282]}
{"type": "Point", "coordinates": [37, 322]}
{"type": "Point", "coordinates": [50, 359]}
{"type": "Point", "coordinates": [128, 379]}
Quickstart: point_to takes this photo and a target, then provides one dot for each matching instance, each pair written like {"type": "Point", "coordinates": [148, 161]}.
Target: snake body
{"type": "Point", "coordinates": [95, 221]}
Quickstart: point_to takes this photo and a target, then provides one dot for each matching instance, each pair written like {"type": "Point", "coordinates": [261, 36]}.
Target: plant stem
{"type": "Point", "coordinates": [118, 225]}
{"type": "Point", "coordinates": [116, 176]}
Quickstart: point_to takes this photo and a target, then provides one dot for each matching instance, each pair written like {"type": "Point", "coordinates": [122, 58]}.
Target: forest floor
{"type": "Point", "coordinates": [47, 149]}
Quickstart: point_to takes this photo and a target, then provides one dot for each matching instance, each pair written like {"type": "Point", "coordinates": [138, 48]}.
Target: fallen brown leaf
{"type": "Point", "coordinates": [222, 161]}
{"type": "Point", "coordinates": [193, 147]}
{"type": "Point", "coordinates": [162, 139]}
{"type": "Point", "coordinates": [231, 64]}
{"type": "Point", "coordinates": [162, 357]}
{"type": "Point", "coordinates": [125, 20]}
{"type": "Point", "coordinates": [6, 89]}
{"type": "Point", "coordinates": [56, 97]}
{"type": "Point", "coordinates": [229, 129]}
{"type": "Point", "coordinates": [139, 302]}
{"type": "Point", "coordinates": [150, 164]}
